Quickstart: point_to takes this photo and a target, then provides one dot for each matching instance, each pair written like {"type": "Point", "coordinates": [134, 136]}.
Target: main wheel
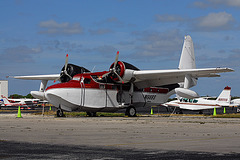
{"type": "Point", "coordinates": [131, 111]}
{"type": "Point", "coordinates": [60, 113]}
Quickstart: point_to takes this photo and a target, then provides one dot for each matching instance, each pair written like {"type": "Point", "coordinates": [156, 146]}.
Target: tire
{"type": "Point", "coordinates": [131, 111]}
{"type": "Point", "coordinates": [60, 113]}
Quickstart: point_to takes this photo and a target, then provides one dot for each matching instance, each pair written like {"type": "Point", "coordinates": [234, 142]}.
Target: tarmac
{"type": "Point", "coordinates": [147, 137]}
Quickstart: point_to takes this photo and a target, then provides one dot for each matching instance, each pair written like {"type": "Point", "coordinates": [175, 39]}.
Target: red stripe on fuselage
{"type": "Point", "coordinates": [96, 85]}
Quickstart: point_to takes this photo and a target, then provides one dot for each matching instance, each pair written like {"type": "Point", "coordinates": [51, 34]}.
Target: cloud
{"type": "Point", "coordinates": [153, 43]}
{"type": "Point", "coordinates": [20, 54]}
{"type": "Point", "coordinates": [51, 27]}
{"type": "Point", "coordinates": [105, 49]}
{"type": "Point", "coordinates": [217, 3]}
{"type": "Point", "coordinates": [100, 31]}
{"type": "Point", "coordinates": [168, 18]}
{"type": "Point", "coordinates": [111, 21]}
{"type": "Point", "coordinates": [62, 46]}
{"type": "Point", "coordinates": [236, 50]}
{"type": "Point", "coordinates": [214, 22]}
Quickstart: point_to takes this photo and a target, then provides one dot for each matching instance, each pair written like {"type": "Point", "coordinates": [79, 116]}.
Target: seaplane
{"type": "Point", "coordinates": [203, 103]}
{"type": "Point", "coordinates": [124, 86]}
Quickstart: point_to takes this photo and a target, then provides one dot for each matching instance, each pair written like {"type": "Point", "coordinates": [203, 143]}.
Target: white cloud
{"type": "Point", "coordinates": [19, 54]}
{"type": "Point", "coordinates": [51, 27]}
{"type": "Point", "coordinates": [217, 3]}
{"type": "Point", "coordinates": [158, 44]}
{"type": "Point", "coordinates": [100, 31]}
{"type": "Point", "coordinates": [168, 18]}
{"type": "Point", "coordinates": [214, 22]}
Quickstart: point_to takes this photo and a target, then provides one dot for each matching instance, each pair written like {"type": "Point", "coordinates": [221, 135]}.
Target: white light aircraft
{"type": "Point", "coordinates": [199, 104]}
{"type": "Point", "coordinates": [26, 101]}
{"type": "Point", "coordinates": [6, 102]}
{"type": "Point", "coordinates": [124, 86]}
{"type": "Point", "coordinates": [235, 102]}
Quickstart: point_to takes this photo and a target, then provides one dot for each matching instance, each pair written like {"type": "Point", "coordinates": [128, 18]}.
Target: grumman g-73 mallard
{"type": "Point", "coordinates": [124, 86]}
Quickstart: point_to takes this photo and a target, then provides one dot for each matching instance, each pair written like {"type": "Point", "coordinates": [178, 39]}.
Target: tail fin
{"type": "Point", "coordinates": [5, 100]}
{"type": "Point", "coordinates": [187, 61]}
{"type": "Point", "coordinates": [225, 96]}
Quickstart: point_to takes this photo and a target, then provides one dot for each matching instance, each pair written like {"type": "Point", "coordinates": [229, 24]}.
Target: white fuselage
{"type": "Point", "coordinates": [76, 95]}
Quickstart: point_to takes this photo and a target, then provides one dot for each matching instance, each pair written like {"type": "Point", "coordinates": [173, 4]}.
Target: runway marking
{"type": "Point", "coordinates": [169, 141]}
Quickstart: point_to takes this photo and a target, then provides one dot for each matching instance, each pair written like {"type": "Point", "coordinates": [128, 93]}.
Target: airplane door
{"type": "Point", "coordinates": [82, 92]}
{"type": "Point", "coordinates": [123, 97]}
{"type": "Point", "coordinates": [103, 92]}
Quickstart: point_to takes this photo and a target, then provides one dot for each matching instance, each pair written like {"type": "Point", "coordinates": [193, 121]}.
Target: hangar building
{"type": "Point", "coordinates": [4, 88]}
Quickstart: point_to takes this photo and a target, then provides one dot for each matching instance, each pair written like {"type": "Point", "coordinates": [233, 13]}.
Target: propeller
{"type": "Point", "coordinates": [64, 72]}
{"type": "Point", "coordinates": [65, 68]}
{"type": "Point", "coordinates": [113, 70]}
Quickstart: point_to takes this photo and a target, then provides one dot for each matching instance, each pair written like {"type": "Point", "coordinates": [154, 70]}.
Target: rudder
{"type": "Point", "coordinates": [187, 61]}
{"type": "Point", "coordinates": [225, 96]}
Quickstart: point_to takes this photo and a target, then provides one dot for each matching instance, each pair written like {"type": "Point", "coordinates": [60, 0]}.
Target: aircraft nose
{"type": "Point", "coordinates": [53, 97]}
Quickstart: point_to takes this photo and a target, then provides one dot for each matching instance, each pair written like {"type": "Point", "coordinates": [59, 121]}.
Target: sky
{"type": "Point", "coordinates": [36, 35]}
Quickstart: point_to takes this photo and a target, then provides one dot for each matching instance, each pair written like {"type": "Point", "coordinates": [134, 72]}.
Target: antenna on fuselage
{"type": "Point", "coordinates": [93, 69]}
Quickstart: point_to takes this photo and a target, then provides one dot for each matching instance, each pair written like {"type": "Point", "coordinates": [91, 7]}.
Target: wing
{"type": "Point", "coordinates": [196, 107]}
{"type": "Point", "coordinates": [39, 77]}
{"type": "Point", "coordinates": [150, 78]}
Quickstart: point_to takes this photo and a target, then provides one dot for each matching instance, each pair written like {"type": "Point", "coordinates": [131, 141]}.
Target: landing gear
{"type": "Point", "coordinates": [60, 113]}
{"type": "Point", "coordinates": [179, 112]}
{"type": "Point", "coordinates": [91, 114]}
{"type": "Point", "coordinates": [131, 111]}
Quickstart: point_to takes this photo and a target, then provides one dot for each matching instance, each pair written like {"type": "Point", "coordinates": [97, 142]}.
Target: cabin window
{"type": "Point", "coordinates": [76, 78]}
{"type": "Point", "coordinates": [195, 101]}
{"type": "Point", "coordinates": [87, 81]}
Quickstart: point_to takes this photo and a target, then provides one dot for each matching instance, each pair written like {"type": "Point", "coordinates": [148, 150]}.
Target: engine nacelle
{"type": "Point", "coordinates": [124, 70]}
{"type": "Point", "coordinates": [72, 70]}
{"type": "Point", "coordinates": [186, 93]}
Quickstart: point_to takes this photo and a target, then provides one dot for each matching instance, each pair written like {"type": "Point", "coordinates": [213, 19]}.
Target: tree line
{"type": "Point", "coordinates": [17, 96]}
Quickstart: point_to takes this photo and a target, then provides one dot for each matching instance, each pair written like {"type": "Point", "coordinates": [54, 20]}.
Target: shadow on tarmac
{"type": "Point", "coordinates": [17, 150]}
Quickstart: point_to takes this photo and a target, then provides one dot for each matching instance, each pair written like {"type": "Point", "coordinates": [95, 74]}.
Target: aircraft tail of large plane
{"type": "Point", "coordinates": [187, 61]}
{"type": "Point", "coordinates": [224, 97]}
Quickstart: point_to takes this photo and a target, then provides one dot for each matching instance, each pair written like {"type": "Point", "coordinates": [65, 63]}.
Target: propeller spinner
{"type": "Point", "coordinates": [114, 71]}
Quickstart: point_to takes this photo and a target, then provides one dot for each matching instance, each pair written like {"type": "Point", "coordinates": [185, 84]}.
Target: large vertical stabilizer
{"type": "Point", "coordinates": [187, 61]}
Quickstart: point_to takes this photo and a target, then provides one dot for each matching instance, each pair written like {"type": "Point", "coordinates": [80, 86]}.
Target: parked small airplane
{"type": "Point", "coordinates": [7, 103]}
{"type": "Point", "coordinates": [26, 101]}
{"type": "Point", "coordinates": [235, 102]}
{"type": "Point", "coordinates": [124, 86]}
{"type": "Point", "coordinates": [23, 103]}
{"type": "Point", "coordinates": [199, 104]}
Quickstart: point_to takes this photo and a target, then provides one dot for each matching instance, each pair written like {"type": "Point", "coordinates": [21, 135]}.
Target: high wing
{"type": "Point", "coordinates": [39, 77]}
{"type": "Point", "coordinates": [150, 78]}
